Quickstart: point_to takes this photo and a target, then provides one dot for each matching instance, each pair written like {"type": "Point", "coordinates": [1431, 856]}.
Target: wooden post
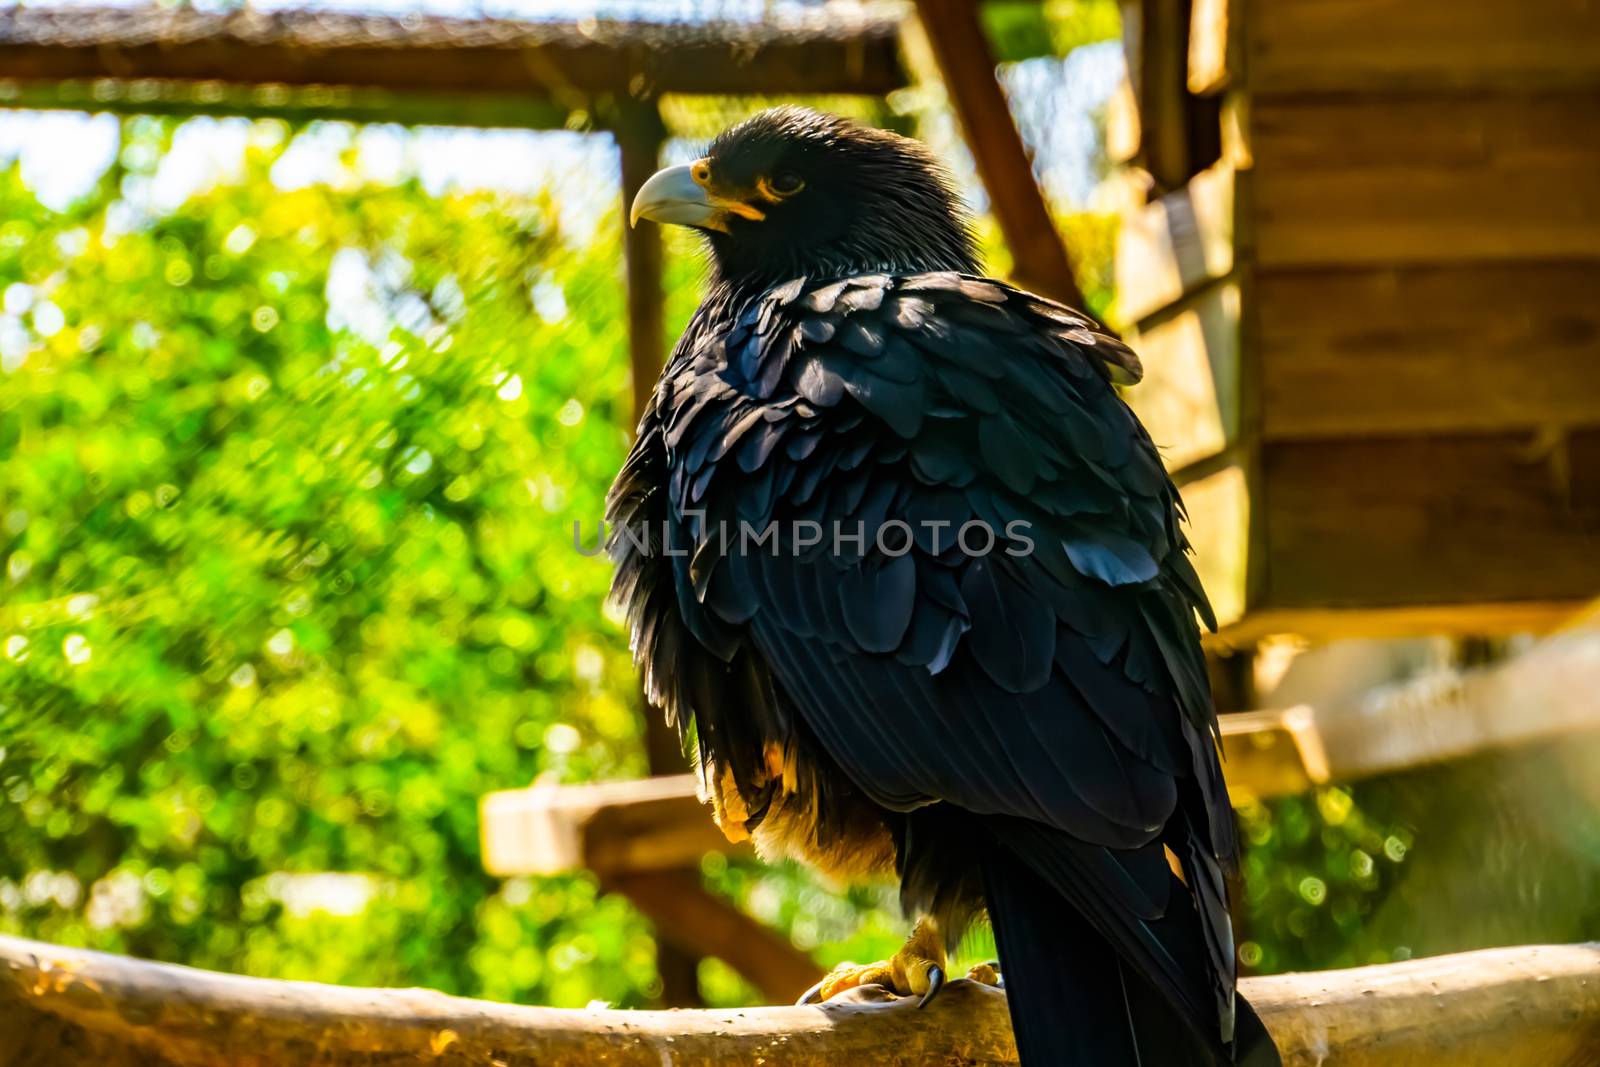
{"type": "Point", "coordinates": [967, 63]}
{"type": "Point", "coordinates": [693, 921]}
{"type": "Point", "coordinates": [1155, 34]}
{"type": "Point", "coordinates": [639, 132]}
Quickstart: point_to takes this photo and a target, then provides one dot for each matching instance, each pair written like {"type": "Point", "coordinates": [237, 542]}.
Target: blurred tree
{"type": "Point", "coordinates": [287, 485]}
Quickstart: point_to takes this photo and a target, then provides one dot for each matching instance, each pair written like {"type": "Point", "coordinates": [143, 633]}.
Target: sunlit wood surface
{"type": "Point", "coordinates": [1533, 1006]}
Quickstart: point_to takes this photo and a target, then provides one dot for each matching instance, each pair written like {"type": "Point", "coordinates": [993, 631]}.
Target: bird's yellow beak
{"type": "Point", "coordinates": [682, 196]}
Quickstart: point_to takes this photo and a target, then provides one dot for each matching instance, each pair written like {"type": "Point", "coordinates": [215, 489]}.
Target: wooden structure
{"type": "Point", "coordinates": [645, 839]}
{"type": "Point", "coordinates": [1363, 282]}
{"type": "Point", "coordinates": [64, 1007]}
{"type": "Point", "coordinates": [1362, 279]}
{"type": "Point", "coordinates": [421, 68]}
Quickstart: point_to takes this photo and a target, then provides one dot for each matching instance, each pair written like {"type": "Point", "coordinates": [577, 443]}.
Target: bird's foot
{"type": "Point", "coordinates": [985, 974]}
{"type": "Point", "coordinates": [917, 970]}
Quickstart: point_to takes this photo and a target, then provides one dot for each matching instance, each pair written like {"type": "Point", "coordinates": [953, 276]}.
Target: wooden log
{"type": "Point", "coordinates": [1536, 1006]}
{"type": "Point", "coordinates": [967, 65]}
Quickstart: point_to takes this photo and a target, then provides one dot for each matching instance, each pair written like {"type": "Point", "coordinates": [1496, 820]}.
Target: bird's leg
{"type": "Point", "coordinates": [918, 969]}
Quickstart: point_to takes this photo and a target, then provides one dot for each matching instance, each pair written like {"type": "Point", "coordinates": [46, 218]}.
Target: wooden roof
{"type": "Point", "coordinates": [567, 64]}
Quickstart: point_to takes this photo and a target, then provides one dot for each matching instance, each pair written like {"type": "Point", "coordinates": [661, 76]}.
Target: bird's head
{"type": "Point", "coordinates": [795, 192]}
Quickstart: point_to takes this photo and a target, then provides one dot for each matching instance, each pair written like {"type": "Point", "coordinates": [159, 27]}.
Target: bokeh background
{"type": "Point", "coordinates": [295, 423]}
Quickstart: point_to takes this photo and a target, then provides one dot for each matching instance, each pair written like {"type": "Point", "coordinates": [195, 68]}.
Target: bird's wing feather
{"type": "Point", "coordinates": [1060, 682]}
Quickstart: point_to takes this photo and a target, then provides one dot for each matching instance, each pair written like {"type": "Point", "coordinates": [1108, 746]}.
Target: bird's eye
{"type": "Point", "coordinates": [784, 183]}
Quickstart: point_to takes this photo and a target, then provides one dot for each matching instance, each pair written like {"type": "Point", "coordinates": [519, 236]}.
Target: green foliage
{"type": "Point", "coordinates": [1023, 29]}
{"type": "Point", "coordinates": [291, 579]}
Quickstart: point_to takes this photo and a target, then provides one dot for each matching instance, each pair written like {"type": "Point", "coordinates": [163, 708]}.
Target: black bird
{"type": "Point", "coordinates": [909, 572]}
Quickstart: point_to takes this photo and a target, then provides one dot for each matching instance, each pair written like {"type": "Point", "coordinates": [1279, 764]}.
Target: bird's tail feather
{"type": "Point", "coordinates": [1075, 1002]}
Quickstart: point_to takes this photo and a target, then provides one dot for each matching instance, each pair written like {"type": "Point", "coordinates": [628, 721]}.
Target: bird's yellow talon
{"type": "Point", "coordinates": [849, 976]}
{"type": "Point", "coordinates": [917, 970]}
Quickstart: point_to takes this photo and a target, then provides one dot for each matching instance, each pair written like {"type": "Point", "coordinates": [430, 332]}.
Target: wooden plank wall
{"type": "Point", "coordinates": [1425, 311]}
{"type": "Point", "coordinates": [1372, 328]}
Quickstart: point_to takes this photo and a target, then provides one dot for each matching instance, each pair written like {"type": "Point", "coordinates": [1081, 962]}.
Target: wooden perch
{"type": "Point", "coordinates": [1535, 1006]}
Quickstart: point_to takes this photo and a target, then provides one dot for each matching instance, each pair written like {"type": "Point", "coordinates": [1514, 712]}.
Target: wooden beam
{"type": "Point", "coordinates": [185, 99]}
{"type": "Point", "coordinates": [644, 839]}
{"type": "Point", "coordinates": [1443, 520]}
{"type": "Point", "coordinates": [1535, 1006]}
{"type": "Point", "coordinates": [1154, 34]}
{"type": "Point", "coordinates": [607, 827]}
{"type": "Point", "coordinates": [1490, 618]}
{"type": "Point", "coordinates": [688, 920]}
{"type": "Point", "coordinates": [638, 836]}
{"type": "Point", "coordinates": [1039, 258]}
{"type": "Point", "coordinates": [1273, 753]}
{"type": "Point", "coordinates": [627, 828]}
{"type": "Point", "coordinates": [1213, 45]}
{"type": "Point", "coordinates": [1189, 397]}
{"type": "Point", "coordinates": [1379, 182]}
{"type": "Point", "coordinates": [1412, 45]}
{"type": "Point", "coordinates": [1176, 245]}
{"type": "Point", "coordinates": [1549, 692]}
{"type": "Point", "coordinates": [1440, 363]}
{"type": "Point", "coordinates": [697, 923]}
{"type": "Point", "coordinates": [1216, 494]}
{"type": "Point", "coordinates": [1546, 693]}
{"type": "Point", "coordinates": [570, 62]}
